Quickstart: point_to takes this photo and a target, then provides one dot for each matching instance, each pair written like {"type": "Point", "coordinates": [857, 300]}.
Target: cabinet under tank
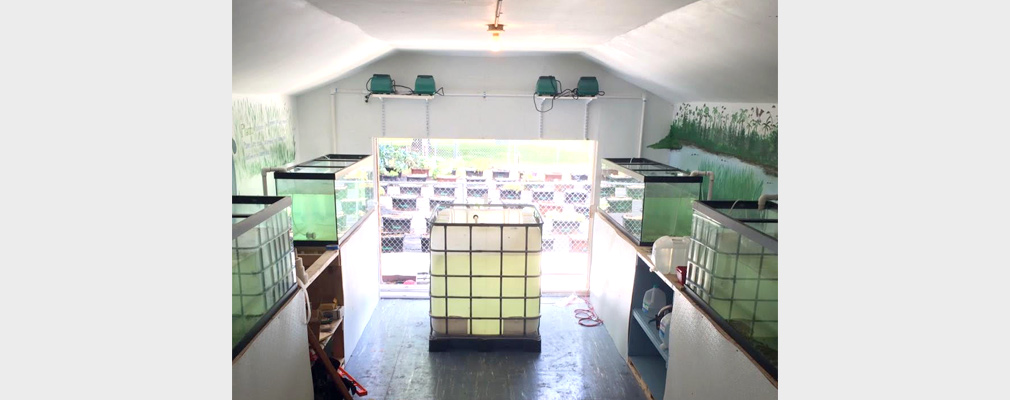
{"type": "Point", "coordinates": [733, 271]}
{"type": "Point", "coordinates": [262, 260]}
{"type": "Point", "coordinates": [647, 200]}
{"type": "Point", "coordinates": [330, 195]}
{"type": "Point", "coordinates": [485, 273]}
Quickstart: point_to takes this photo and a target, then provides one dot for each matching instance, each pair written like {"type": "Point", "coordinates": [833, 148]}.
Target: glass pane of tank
{"type": "Point", "coordinates": [262, 259]}
{"type": "Point", "coordinates": [733, 267]}
{"type": "Point", "coordinates": [328, 201]}
{"type": "Point", "coordinates": [646, 199]}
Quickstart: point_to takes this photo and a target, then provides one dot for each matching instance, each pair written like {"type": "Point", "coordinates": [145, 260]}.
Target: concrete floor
{"type": "Point", "coordinates": [392, 361]}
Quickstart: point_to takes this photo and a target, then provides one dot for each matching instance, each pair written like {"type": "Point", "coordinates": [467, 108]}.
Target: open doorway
{"type": "Point", "coordinates": [416, 176]}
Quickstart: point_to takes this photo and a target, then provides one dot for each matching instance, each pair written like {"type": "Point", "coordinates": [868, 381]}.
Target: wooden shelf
{"type": "Point", "coordinates": [324, 337]}
{"type": "Point", "coordinates": [652, 333]}
{"type": "Point", "coordinates": [319, 266]}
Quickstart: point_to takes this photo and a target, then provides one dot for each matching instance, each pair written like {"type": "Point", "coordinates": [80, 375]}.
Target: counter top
{"type": "Point", "coordinates": [645, 254]}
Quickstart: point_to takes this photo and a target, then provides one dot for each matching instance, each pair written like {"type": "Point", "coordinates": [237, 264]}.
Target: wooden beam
{"type": "Point", "coordinates": [320, 265]}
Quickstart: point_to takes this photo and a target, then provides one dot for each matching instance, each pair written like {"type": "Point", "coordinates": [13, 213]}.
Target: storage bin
{"type": "Point", "coordinates": [485, 272]}
{"type": "Point", "coordinates": [262, 259]}
{"type": "Point", "coordinates": [733, 269]}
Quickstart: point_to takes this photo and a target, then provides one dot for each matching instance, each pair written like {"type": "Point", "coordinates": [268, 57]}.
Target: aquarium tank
{"type": "Point", "coordinates": [733, 272]}
{"type": "Point", "coordinates": [647, 200]}
{"type": "Point", "coordinates": [330, 196]}
{"type": "Point", "coordinates": [262, 262]}
{"type": "Point", "coordinates": [485, 272]}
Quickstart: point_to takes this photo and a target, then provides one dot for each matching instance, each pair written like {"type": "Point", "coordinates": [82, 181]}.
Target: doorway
{"type": "Point", "coordinates": [416, 176]}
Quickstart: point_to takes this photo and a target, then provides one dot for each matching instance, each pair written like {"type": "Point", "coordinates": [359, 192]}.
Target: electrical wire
{"type": "Point", "coordinates": [587, 316]}
{"type": "Point", "coordinates": [405, 87]}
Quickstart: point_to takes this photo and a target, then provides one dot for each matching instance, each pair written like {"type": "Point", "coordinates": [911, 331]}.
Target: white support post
{"type": "Point", "coordinates": [383, 116]}
{"type": "Point", "coordinates": [641, 127]}
{"type": "Point", "coordinates": [541, 128]}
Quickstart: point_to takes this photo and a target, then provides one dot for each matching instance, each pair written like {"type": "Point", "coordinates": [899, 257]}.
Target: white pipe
{"type": "Point", "coordinates": [711, 180]}
{"type": "Point", "coordinates": [349, 91]}
{"type": "Point", "coordinates": [764, 199]}
{"type": "Point", "coordinates": [333, 119]}
{"type": "Point", "coordinates": [641, 128]}
{"type": "Point", "coordinates": [585, 125]}
{"type": "Point", "coordinates": [265, 171]}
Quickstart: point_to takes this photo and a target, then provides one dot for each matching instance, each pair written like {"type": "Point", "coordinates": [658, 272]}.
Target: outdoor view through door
{"type": "Point", "coordinates": [419, 175]}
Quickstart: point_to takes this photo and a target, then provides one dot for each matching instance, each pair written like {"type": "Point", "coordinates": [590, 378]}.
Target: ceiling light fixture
{"type": "Point", "coordinates": [496, 29]}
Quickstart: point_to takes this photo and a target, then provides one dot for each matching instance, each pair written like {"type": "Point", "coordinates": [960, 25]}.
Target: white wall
{"type": "Point", "coordinates": [360, 265]}
{"type": "Point", "coordinates": [275, 366]}
{"type": "Point", "coordinates": [615, 122]}
{"type": "Point", "coordinates": [704, 365]}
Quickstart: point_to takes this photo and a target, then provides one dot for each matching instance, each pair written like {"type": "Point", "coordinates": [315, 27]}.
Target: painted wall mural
{"type": "Point", "coordinates": [262, 136]}
{"type": "Point", "coordinates": [739, 141]}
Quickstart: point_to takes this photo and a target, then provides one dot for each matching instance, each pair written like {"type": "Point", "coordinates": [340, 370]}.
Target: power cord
{"type": "Point", "coordinates": [587, 316]}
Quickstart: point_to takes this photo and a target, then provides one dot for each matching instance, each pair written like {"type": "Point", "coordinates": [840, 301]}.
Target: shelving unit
{"type": "Point", "coordinates": [645, 354]}
{"type": "Point", "coordinates": [652, 333]}
{"type": "Point", "coordinates": [670, 280]}
{"type": "Point", "coordinates": [652, 371]}
{"type": "Point", "coordinates": [324, 284]}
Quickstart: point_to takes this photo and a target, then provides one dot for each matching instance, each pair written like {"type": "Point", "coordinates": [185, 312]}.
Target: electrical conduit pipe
{"type": "Point", "coordinates": [265, 171]}
{"type": "Point", "coordinates": [711, 180]}
{"type": "Point", "coordinates": [764, 199]}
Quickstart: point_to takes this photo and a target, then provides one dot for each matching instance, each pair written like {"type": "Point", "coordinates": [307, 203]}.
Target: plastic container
{"type": "Point", "coordinates": [664, 331]}
{"type": "Point", "coordinates": [485, 272]}
{"type": "Point", "coordinates": [669, 253]}
{"type": "Point", "coordinates": [653, 301]}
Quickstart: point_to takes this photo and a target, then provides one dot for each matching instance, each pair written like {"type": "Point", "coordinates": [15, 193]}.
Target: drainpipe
{"type": "Point", "coordinates": [641, 130]}
{"type": "Point", "coordinates": [764, 199]}
{"type": "Point", "coordinates": [711, 180]}
{"type": "Point", "coordinates": [265, 171]}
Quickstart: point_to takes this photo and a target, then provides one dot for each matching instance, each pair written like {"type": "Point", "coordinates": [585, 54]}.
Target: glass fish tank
{"type": "Point", "coordinates": [330, 196]}
{"type": "Point", "coordinates": [646, 199]}
{"type": "Point", "coordinates": [733, 270]}
{"type": "Point", "coordinates": [262, 261]}
{"type": "Point", "coordinates": [485, 272]}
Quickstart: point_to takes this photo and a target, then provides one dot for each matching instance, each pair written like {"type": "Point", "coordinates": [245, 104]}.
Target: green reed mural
{"type": "Point", "coordinates": [261, 137]}
{"type": "Point", "coordinates": [733, 183]}
{"type": "Point", "coordinates": [749, 133]}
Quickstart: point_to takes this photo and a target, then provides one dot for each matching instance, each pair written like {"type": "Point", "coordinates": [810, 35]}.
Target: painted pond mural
{"type": "Point", "coordinates": [261, 137]}
{"type": "Point", "coordinates": [739, 141]}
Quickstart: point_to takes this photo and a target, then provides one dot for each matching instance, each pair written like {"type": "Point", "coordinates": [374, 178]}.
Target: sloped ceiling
{"type": "Point", "coordinates": [682, 50]}
{"type": "Point", "coordinates": [284, 46]}
{"type": "Point", "coordinates": [711, 50]}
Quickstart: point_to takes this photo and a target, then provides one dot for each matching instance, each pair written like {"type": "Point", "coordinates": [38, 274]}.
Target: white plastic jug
{"type": "Point", "coordinates": [669, 252]}
{"type": "Point", "coordinates": [664, 331]}
{"type": "Point", "coordinates": [654, 300]}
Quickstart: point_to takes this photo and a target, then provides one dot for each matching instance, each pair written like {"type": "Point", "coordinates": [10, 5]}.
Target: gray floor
{"type": "Point", "coordinates": [392, 361]}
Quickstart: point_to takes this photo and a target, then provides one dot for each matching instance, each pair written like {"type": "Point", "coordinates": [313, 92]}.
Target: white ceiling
{"type": "Point", "coordinates": [529, 24]}
{"type": "Point", "coordinates": [682, 50]}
